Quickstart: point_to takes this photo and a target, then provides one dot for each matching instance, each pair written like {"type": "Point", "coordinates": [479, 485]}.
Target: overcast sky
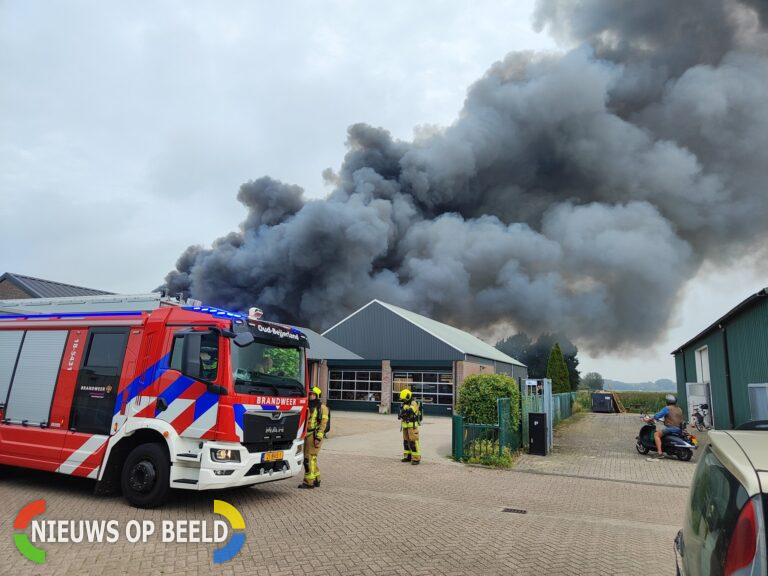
{"type": "Point", "coordinates": [126, 129]}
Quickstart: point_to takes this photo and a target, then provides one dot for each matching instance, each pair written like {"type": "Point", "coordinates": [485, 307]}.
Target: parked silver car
{"type": "Point", "coordinates": [727, 514]}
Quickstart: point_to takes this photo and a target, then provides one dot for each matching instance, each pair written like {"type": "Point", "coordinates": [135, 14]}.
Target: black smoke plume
{"type": "Point", "coordinates": [576, 193]}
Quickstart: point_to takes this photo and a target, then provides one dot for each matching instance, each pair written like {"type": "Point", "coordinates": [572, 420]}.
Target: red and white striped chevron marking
{"type": "Point", "coordinates": [85, 460]}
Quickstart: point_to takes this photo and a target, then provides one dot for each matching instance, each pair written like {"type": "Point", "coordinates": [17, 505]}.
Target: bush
{"type": "Point", "coordinates": [478, 394]}
{"type": "Point", "coordinates": [486, 452]}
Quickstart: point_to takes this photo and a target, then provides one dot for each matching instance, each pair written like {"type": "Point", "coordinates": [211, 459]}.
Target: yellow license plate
{"type": "Point", "coordinates": [270, 456]}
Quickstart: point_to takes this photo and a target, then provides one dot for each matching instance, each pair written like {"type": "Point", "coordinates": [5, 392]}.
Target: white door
{"type": "Point", "coordinates": [698, 394]}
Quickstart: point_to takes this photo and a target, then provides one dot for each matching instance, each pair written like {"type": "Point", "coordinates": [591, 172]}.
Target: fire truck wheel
{"type": "Point", "coordinates": [145, 478]}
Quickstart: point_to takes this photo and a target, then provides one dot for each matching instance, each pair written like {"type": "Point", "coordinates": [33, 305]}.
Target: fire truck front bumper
{"type": "Point", "coordinates": [219, 467]}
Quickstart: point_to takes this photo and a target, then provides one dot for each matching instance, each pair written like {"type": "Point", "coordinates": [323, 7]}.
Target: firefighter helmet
{"type": "Point", "coordinates": [405, 395]}
{"type": "Point", "coordinates": [316, 391]}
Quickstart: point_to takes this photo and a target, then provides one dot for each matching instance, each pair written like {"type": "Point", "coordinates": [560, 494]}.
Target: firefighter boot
{"type": "Point", "coordinates": [406, 447]}
{"type": "Point", "coordinates": [414, 445]}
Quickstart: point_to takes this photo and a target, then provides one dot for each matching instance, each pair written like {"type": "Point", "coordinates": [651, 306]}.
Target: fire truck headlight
{"type": "Point", "coordinates": [221, 455]}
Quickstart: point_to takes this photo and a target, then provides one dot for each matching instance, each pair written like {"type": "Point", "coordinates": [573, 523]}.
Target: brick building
{"type": "Point", "coordinates": [402, 349]}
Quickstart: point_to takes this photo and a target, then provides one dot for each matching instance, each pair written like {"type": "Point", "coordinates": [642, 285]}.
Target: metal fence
{"type": "Point", "coordinates": [563, 406]}
{"type": "Point", "coordinates": [472, 440]}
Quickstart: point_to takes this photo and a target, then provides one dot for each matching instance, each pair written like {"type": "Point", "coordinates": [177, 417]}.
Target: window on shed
{"type": "Point", "coordinates": [432, 387]}
{"type": "Point", "coordinates": [758, 401]}
{"type": "Point", "coordinates": [362, 386]}
{"type": "Point", "coordinates": [702, 364]}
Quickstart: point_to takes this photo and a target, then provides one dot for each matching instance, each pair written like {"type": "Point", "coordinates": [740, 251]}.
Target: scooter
{"type": "Point", "coordinates": [679, 445]}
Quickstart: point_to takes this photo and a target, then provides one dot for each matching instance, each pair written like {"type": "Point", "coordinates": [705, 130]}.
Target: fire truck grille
{"type": "Point", "coordinates": [254, 447]}
{"type": "Point", "coordinates": [270, 430]}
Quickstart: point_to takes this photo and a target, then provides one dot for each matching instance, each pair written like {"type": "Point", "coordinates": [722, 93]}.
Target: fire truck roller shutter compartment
{"type": "Point", "coordinates": [35, 378]}
{"type": "Point", "coordinates": [10, 343]}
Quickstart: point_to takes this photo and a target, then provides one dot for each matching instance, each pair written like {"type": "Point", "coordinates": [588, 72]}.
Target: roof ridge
{"type": "Point", "coordinates": [457, 332]}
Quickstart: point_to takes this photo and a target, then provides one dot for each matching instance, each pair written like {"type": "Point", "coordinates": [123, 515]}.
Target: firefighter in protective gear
{"type": "Point", "coordinates": [209, 363]}
{"type": "Point", "coordinates": [317, 421]}
{"type": "Point", "coordinates": [409, 424]}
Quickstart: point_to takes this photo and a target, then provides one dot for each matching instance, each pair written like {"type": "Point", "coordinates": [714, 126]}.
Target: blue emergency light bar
{"type": "Point", "coordinates": [218, 313]}
{"type": "Point", "coordinates": [213, 311]}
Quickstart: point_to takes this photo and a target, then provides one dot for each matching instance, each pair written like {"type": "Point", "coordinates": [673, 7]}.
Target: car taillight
{"type": "Point", "coordinates": [743, 545]}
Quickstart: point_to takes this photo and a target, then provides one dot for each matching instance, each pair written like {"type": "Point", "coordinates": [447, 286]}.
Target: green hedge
{"type": "Point", "coordinates": [478, 394]}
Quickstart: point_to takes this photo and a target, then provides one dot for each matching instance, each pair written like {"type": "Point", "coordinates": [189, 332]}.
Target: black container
{"type": "Point", "coordinates": [537, 433]}
{"type": "Point", "coordinates": [602, 402]}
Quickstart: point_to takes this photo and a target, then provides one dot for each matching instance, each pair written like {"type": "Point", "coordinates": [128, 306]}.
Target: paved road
{"type": "Point", "coordinates": [377, 516]}
{"type": "Point", "coordinates": [602, 446]}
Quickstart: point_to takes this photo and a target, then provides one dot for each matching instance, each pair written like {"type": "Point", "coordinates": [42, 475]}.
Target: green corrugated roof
{"type": "Point", "coordinates": [743, 305]}
{"type": "Point", "coordinates": [462, 341]}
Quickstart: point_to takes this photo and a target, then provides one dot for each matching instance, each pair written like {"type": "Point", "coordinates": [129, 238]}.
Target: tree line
{"type": "Point", "coordinates": [551, 356]}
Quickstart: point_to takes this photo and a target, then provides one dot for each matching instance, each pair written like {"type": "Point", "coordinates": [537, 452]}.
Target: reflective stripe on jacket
{"type": "Point", "coordinates": [315, 427]}
{"type": "Point", "coordinates": [410, 415]}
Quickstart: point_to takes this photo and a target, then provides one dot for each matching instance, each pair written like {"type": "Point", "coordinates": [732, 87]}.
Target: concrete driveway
{"type": "Point", "coordinates": [602, 446]}
{"type": "Point", "coordinates": [379, 435]}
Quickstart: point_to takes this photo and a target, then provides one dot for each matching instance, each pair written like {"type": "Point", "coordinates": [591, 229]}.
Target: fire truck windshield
{"type": "Point", "coordinates": [262, 368]}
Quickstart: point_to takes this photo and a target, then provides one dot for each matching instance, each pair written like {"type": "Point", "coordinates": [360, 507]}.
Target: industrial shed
{"type": "Point", "coordinates": [726, 365]}
{"type": "Point", "coordinates": [321, 353]}
{"type": "Point", "coordinates": [402, 349]}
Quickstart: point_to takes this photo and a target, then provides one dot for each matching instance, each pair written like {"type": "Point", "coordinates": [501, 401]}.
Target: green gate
{"type": "Point", "coordinates": [472, 440]}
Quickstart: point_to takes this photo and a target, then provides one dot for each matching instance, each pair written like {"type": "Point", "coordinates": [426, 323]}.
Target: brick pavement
{"type": "Point", "coordinates": [602, 446]}
{"type": "Point", "coordinates": [376, 516]}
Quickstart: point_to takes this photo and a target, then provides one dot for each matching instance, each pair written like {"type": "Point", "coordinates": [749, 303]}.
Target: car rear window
{"type": "Point", "coordinates": [717, 497]}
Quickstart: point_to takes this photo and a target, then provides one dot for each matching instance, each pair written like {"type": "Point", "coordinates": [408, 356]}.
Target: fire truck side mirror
{"type": "Point", "coordinates": [190, 354]}
{"type": "Point", "coordinates": [243, 339]}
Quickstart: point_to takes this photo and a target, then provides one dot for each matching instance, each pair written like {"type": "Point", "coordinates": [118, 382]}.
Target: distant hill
{"type": "Point", "coordinates": [663, 385]}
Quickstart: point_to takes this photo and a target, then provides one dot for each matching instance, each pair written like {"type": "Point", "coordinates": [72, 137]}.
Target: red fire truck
{"type": "Point", "coordinates": [174, 397]}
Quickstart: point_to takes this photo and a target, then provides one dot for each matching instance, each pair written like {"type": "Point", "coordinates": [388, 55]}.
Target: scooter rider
{"type": "Point", "coordinates": [673, 422]}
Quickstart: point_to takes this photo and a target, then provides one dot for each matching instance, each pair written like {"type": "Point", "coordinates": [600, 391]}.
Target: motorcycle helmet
{"type": "Point", "coordinates": [316, 391]}
{"type": "Point", "coordinates": [405, 395]}
{"type": "Point", "coordinates": [670, 398]}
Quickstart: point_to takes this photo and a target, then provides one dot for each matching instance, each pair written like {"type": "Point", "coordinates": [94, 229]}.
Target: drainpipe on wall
{"type": "Point", "coordinates": [728, 388]}
{"type": "Point", "coordinates": [685, 383]}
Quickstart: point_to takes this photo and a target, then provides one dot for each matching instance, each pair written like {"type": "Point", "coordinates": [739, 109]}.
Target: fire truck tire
{"type": "Point", "coordinates": [146, 476]}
